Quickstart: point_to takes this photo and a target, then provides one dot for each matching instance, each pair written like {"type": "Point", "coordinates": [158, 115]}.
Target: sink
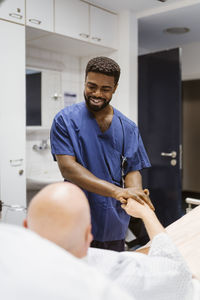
{"type": "Point", "coordinates": [38, 179]}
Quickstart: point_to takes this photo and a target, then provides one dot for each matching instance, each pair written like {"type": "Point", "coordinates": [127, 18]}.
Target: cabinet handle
{"type": "Point", "coordinates": [17, 16]}
{"type": "Point", "coordinates": [16, 162]}
{"type": "Point", "coordinates": [34, 21]}
{"type": "Point", "coordinates": [96, 38]}
{"type": "Point", "coordinates": [84, 35]}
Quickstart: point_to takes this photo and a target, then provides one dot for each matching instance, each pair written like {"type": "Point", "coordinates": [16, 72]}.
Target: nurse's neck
{"type": "Point", "coordinates": [104, 117]}
{"type": "Point", "coordinates": [103, 113]}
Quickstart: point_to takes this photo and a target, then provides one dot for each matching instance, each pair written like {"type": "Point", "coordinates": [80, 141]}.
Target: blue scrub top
{"type": "Point", "coordinates": [75, 132]}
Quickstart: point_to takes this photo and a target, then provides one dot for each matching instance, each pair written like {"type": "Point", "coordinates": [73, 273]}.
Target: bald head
{"type": "Point", "coordinates": [60, 212]}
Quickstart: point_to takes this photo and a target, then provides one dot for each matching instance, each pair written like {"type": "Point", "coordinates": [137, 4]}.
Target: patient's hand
{"type": "Point", "coordinates": [137, 210]}
{"type": "Point", "coordinates": [143, 211]}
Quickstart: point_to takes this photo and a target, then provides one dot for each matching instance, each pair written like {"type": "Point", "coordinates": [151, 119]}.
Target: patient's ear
{"type": "Point", "coordinates": [89, 236]}
{"type": "Point", "coordinates": [25, 223]}
{"type": "Point", "coordinates": [87, 240]}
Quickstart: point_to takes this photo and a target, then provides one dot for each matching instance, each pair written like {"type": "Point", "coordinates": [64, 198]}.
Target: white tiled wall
{"type": "Point", "coordinates": [38, 160]}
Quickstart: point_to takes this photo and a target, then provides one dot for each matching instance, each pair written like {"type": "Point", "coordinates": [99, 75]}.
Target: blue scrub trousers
{"type": "Point", "coordinates": [111, 245]}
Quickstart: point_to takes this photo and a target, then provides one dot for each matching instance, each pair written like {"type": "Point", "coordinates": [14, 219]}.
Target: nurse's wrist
{"type": "Point", "coordinates": [117, 193]}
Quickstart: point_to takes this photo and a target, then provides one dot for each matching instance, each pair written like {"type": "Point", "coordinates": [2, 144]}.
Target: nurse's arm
{"type": "Point", "coordinates": [77, 174]}
{"type": "Point", "coordinates": [133, 180]}
{"type": "Point", "coordinates": [133, 185]}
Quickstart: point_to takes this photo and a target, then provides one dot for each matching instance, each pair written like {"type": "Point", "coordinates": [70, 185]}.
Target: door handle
{"type": "Point", "coordinates": [170, 154]}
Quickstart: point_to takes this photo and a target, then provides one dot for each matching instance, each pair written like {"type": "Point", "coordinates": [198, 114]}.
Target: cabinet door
{"type": "Point", "coordinates": [12, 114]}
{"type": "Point", "coordinates": [103, 27]}
{"type": "Point", "coordinates": [52, 100]}
{"type": "Point", "coordinates": [39, 14]}
{"type": "Point", "coordinates": [72, 18]}
{"type": "Point", "coordinates": [12, 10]}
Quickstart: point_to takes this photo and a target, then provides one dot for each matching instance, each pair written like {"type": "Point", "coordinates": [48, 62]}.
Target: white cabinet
{"type": "Point", "coordinates": [72, 18]}
{"type": "Point", "coordinates": [80, 20]}
{"type": "Point", "coordinates": [52, 100]}
{"type": "Point", "coordinates": [39, 14]}
{"type": "Point", "coordinates": [103, 27]}
{"type": "Point", "coordinates": [12, 10]}
{"type": "Point", "coordinates": [12, 114]}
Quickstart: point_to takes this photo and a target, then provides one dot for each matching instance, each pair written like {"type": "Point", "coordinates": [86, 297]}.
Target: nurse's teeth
{"type": "Point", "coordinates": [96, 100]}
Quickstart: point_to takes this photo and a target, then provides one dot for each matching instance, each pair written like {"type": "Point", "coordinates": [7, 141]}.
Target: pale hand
{"type": "Point", "coordinates": [141, 196]}
{"type": "Point", "coordinates": [137, 210]}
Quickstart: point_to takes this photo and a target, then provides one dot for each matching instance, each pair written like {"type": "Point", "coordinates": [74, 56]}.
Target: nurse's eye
{"type": "Point", "coordinates": [106, 90]}
{"type": "Point", "coordinates": [91, 87]}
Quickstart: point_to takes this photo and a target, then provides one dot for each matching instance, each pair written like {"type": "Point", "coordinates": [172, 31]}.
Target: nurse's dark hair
{"type": "Point", "coordinates": [103, 65]}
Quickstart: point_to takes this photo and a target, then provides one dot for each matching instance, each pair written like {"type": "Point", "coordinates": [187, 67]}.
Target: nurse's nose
{"type": "Point", "coordinates": [97, 93]}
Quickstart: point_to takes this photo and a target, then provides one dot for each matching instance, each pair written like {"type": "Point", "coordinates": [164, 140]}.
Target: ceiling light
{"type": "Point", "coordinates": [177, 30]}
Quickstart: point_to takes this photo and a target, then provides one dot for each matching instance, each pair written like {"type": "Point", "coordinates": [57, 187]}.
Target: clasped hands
{"type": "Point", "coordinates": [139, 195]}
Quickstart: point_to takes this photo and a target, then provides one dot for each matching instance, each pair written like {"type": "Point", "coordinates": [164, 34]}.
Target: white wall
{"type": "Point", "coordinates": [127, 56]}
{"type": "Point", "coordinates": [191, 61]}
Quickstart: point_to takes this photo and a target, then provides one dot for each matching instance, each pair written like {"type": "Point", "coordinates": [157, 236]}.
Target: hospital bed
{"type": "Point", "coordinates": [185, 233]}
{"type": "Point", "coordinates": [190, 202]}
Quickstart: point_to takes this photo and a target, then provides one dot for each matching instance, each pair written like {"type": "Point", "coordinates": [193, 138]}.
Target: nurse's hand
{"type": "Point", "coordinates": [141, 196]}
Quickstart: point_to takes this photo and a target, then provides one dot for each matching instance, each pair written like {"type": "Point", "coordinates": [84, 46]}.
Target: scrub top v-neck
{"type": "Point", "coordinates": [114, 133]}
{"type": "Point", "coordinates": [76, 132]}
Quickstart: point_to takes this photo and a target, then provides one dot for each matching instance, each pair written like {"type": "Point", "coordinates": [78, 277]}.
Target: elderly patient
{"type": "Point", "coordinates": [60, 213]}
{"type": "Point", "coordinates": [34, 268]}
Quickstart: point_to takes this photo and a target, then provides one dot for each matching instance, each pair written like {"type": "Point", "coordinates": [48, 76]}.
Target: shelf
{"type": "Point", "coordinates": [37, 132]}
{"type": "Point", "coordinates": [32, 129]}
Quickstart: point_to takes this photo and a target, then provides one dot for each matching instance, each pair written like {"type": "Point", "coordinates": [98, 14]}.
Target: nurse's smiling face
{"type": "Point", "coordinates": [99, 89]}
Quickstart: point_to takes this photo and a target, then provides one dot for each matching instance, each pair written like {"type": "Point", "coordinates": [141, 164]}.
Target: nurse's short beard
{"type": "Point", "coordinates": [94, 108]}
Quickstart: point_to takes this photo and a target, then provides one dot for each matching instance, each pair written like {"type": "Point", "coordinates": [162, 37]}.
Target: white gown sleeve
{"type": "Point", "coordinates": [160, 275]}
